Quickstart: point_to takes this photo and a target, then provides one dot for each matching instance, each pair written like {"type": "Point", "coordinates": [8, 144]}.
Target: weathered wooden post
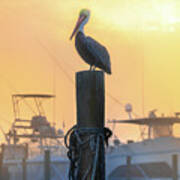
{"type": "Point", "coordinates": [1, 165]}
{"type": "Point", "coordinates": [1, 161]}
{"type": "Point", "coordinates": [47, 173]}
{"type": "Point", "coordinates": [24, 169]}
{"type": "Point", "coordinates": [175, 166]}
{"type": "Point", "coordinates": [90, 114]}
{"type": "Point", "coordinates": [128, 162]}
{"type": "Point", "coordinates": [24, 162]}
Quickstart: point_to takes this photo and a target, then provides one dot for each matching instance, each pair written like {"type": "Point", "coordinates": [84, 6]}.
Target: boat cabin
{"type": "Point", "coordinates": [157, 126]}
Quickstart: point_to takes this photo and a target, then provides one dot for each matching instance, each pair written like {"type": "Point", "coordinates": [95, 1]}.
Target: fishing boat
{"type": "Point", "coordinates": [154, 158]}
{"type": "Point", "coordinates": [29, 141]}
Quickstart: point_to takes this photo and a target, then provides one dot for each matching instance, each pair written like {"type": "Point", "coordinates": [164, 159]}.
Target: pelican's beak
{"type": "Point", "coordinates": [80, 20]}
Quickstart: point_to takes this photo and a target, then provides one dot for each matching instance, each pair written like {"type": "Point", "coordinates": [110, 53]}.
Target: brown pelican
{"type": "Point", "coordinates": [90, 50]}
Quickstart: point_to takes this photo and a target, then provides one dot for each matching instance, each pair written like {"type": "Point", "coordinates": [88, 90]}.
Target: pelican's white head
{"type": "Point", "coordinates": [82, 20]}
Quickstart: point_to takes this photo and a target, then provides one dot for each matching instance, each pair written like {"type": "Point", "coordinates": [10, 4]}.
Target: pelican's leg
{"type": "Point", "coordinates": [90, 68]}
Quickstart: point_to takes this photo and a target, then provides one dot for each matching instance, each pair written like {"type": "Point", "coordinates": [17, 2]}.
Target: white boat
{"type": "Point", "coordinates": [154, 158]}
{"type": "Point", "coordinates": [35, 169]}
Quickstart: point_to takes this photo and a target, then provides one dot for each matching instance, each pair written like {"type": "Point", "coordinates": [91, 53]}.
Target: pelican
{"type": "Point", "coordinates": [89, 49]}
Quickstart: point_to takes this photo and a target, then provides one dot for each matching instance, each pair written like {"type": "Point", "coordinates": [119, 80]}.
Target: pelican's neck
{"type": "Point", "coordinates": [81, 28]}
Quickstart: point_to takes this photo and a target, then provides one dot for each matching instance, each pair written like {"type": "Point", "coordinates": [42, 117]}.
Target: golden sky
{"type": "Point", "coordinates": [142, 37]}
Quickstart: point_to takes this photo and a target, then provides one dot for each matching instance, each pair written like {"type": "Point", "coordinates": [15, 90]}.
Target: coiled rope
{"type": "Point", "coordinates": [80, 138]}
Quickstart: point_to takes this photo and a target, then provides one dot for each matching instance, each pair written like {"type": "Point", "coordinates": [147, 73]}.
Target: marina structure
{"type": "Point", "coordinates": [29, 141]}
{"type": "Point", "coordinates": [156, 157]}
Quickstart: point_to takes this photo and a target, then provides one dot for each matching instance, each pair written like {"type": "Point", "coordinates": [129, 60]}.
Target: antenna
{"type": "Point", "coordinates": [128, 109]}
{"type": "Point", "coordinates": [54, 92]}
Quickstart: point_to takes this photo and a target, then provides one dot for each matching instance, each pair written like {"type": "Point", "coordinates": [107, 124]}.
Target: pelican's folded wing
{"type": "Point", "coordinates": [100, 53]}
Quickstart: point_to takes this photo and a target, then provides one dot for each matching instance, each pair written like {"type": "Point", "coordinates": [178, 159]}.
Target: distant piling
{"type": "Point", "coordinates": [90, 115]}
{"type": "Point", "coordinates": [1, 165]}
{"type": "Point", "coordinates": [47, 161]}
{"type": "Point", "coordinates": [24, 169]}
{"type": "Point", "coordinates": [175, 167]}
{"type": "Point", "coordinates": [1, 161]}
{"type": "Point", "coordinates": [128, 162]}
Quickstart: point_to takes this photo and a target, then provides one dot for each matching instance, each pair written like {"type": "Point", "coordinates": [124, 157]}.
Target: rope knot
{"type": "Point", "coordinates": [80, 138]}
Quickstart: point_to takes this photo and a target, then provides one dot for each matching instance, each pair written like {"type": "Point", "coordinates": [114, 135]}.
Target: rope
{"type": "Point", "coordinates": [79, 139]}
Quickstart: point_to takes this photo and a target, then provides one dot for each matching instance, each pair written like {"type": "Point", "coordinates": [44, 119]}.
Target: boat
{"type": "Point", "coordinates": [155, 157]}
{"type": "Point", "coordinates": [30, 140]}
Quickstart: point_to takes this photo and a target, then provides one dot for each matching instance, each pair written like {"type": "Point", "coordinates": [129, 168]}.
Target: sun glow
{"type": "Point", "coordinates": [117, 24]}
{"type": "Point", "coordinates": [144, 15]}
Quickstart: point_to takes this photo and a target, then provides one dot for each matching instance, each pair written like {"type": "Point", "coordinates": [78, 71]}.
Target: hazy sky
{"type": "Point", "coordinates": [142, 37]}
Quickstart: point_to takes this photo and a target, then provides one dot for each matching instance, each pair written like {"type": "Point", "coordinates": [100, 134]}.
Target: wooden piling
{"type": "Point", "coordinates": [1, 161]}
{"type": "Point", "coordinates": [47, 173]}
{"type": "Point", "coordinates": [1, 166]}
{"type": "Point", "coordinates": [175, 166]}
{"type": "Point", "coordinates": [128, 162]}
{"type": "Point", "coordinates": [24, 169]}
{"type": "Point", "coordinates": [90, 114]}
